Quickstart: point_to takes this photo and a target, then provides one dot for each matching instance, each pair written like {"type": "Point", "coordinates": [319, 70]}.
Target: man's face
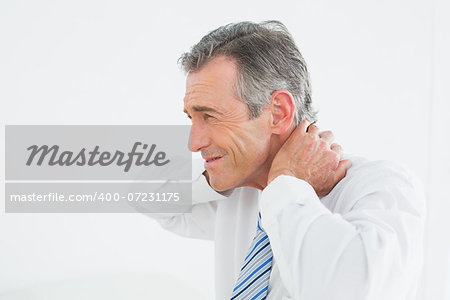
{"type": "Point", "coordinates": [235, 148]}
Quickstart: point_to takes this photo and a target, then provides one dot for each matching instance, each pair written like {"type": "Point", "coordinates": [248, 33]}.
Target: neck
{"type": "Point", "coordinates": [259, 180]}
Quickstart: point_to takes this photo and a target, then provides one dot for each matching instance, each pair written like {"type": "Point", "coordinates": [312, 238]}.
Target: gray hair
{"type": "Point", "coordinates": [267, 60]}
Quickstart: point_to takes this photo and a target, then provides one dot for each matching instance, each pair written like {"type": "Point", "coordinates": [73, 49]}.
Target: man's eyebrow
{"type": "Point", "coordinates": [202, 108]}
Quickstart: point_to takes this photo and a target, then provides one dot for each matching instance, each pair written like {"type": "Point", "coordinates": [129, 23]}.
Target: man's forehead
{"type": "Point", "coordinates": [211, 88]}
{"type": "Point", "coordinates": [202, 97]}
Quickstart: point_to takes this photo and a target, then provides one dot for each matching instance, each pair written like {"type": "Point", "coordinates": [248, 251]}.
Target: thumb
{"type": "Point", "coordinates": [341, 169]}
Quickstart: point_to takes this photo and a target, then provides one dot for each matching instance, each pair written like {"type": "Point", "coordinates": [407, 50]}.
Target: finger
{"type": "Point", "coordinates": [328, 136]}
{"type": "Point", "coordinates": [341, 170]}
{"type": "Point", "coordinates": [338, 149]}
{"type": "Point", "coordinates": [313, 129]}
{"type": "Point", "coordinates": [303, 126]}
{"type": "Point", "coordinates": [300, 130]}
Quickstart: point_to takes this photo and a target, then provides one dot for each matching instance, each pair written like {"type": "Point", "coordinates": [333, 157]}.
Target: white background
{"type": "Point", "coordinates": [380, 74]}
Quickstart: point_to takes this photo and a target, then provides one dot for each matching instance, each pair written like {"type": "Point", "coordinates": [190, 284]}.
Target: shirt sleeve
{"type": "Point", "coordinates": [371, 249]}
{"type": "Point", "coordinates": [200, 221]}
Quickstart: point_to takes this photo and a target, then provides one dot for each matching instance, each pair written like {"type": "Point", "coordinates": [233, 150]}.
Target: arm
{"type": "Point", "coordinates": [200, 222]}
{"type": "Point", "coordinates": [371, 250]}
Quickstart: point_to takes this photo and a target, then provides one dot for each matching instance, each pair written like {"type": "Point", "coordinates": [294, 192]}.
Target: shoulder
{"type": "Point", "coordinates": [380, 183]}
{"type": "Point", "coordinates": [366, 173]}
{"type": "Point", "coordinates": [366, 170]}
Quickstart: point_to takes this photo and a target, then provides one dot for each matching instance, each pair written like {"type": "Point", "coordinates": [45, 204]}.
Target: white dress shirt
{"type": "Point", "coordinates": [364, 240]}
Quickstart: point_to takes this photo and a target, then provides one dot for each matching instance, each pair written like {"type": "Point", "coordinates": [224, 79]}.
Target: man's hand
{"type": "Point", "coordinates": [310, 156]}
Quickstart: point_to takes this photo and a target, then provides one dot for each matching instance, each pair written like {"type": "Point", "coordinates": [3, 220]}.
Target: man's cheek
{"type": "Point", "coordinates": [239, 151]}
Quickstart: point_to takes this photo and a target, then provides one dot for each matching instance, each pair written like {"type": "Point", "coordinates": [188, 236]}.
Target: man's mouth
{"type": "Point", "coordinates": [213, 159]}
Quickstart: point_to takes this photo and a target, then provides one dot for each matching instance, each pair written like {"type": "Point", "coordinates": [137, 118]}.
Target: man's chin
{"type": "Point", "coordinates": [221, 187]}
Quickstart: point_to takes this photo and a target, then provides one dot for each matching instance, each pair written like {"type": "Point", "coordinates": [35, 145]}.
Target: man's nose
{"type": "Point", "coordinates": [198, 138]}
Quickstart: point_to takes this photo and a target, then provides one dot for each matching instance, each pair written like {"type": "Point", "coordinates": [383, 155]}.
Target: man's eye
{"type": "Point", "coordinates": [207, 116]}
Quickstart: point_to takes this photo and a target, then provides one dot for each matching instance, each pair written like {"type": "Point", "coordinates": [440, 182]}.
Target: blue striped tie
{"type": "Point", "coordinates": [253, 280]}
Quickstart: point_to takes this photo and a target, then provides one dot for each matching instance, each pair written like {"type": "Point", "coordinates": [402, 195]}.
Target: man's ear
{"type": "Point", "coordinates": [282, 109]}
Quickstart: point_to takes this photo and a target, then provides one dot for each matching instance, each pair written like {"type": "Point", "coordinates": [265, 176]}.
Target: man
{"type": "Point", "coordinates": [326, 227]}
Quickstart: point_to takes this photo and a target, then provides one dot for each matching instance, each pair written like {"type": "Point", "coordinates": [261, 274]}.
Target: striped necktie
{"type": "Point", "coordinates": [253, 280]}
